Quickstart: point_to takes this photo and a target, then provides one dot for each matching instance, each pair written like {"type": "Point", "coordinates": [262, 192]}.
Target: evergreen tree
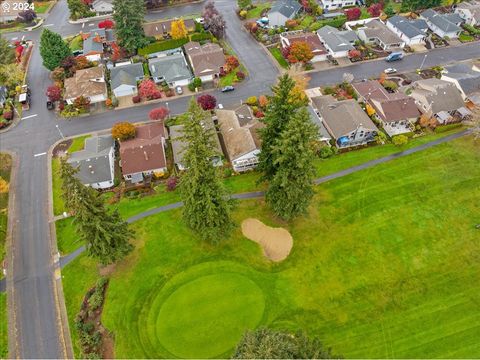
{"type": "Point", "coordinates": [53, 49]}
{"type": "Point", "coordinates": [7, 53]}
{"type": "Point", "coordinates": [207, 205]}
{"type": "Point", "coordinates": [128, 18]}
{"type": "Point", "coordinates": [291, 188]}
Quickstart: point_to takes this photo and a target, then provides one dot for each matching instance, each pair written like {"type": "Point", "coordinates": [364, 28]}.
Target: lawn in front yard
{"type": "Point", "coordinates": [384, 265]}
{"type": "Point", "coordinates": [3, 326]}
{"type": "Point", "coordinates": [257, 11]}
{"type": "Point", "coordinates": [465, 37]}
{"type": "Point", "coordinates": [5, 171]}
{"type": "Point", "coordinates": [41, 6]}
{"type": "Point", "coordinates": [277, 54]}
{"type": "Point", "coordinates": [76, 43]}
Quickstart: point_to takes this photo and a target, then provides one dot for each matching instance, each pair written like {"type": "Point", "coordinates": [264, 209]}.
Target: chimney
{"type": "Point", "coordinates": [146, 155]}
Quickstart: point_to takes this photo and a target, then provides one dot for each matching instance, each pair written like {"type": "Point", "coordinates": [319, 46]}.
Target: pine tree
{"type": "Point", "coordinates": [291, 188]}
{"type": "Point", "coordinates": [7, 53]}
{"type": "Point", "coordinates": [207, 205]}
{"type": "Point", "coordinates": [53, 49]}
{"type": "Point", "coordinates": [128, 18]}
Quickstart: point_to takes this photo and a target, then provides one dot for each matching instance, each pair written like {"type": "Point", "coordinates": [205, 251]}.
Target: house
{"type": "Point", "coordinates": [124, 78]}
{"type": "Point", "coordinates": [161, 29]}
{"type": "Point", "coordinates": [241, 139]}
{"type": "Point", "coordinates": [469, 11]}
{"type": "Point", "coordinates": [3, 96]}
{"type": "Point", "coordinates": [412, 31]}
{"type": "Point", "coordinates": [282, 11]}
{"type": "Point", "coordinates": [144, 155]}
{"type": "Point", "coordinates": [96, 162]}
{"type": "Point", "coordinates": [94, 42]}
{"type": "Point", "coordinates": [378, 33]}
{"type": "Point", "coordinates": [89, 83]}
{"type": "Point", "coordinates": [466, 78]}
{"type": "Point", "coordinates": [206, 60]}
{"type": "Point", "coordinates": [179, 145]}
{"type": "Point", "coordinates": [444, 25]}
{"type": "Point", "coordinates": [319, 51]}
{"type": "Point", "coordinates": [438, 98]}
{"type": "Point", "coordinates": [171, 69]}
{"type": "Point", "coordinates": [396, 111]}
{"type": "Point", "coordinates": [336, 4]}
{"type": "Point", "coordinates": [338, 43]}
{"type": "Point", "coordinates": [102, 7]}
{"type": "Point", "coordinates": [323, 135]}
{"type": "Point", "coordinates": [345, 121]}
{"type": "Point", "coordinates": [9, 10]}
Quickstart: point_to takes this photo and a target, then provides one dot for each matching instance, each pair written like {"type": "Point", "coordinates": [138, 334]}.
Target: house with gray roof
{"type": "Point", "coordinates": [376, 32]}
{"type": "Point", "coordinates": [323, 135]}
{"type": "Point", "coordinates": [337, 42]}
{"type": "Point", "coordinates": [469, 11]}
{"type": "Point", "coordinates": [330, 5]}
{"type": "Point", "coordinates": [96, 162]}
{"type": "Point", "coordinates": [124, 78]}
{"type": "Point", "coordinates": [465, 77]}
{"type": "Point", "coordinates": [172, 69]}
{"type": "Point", "coordinates": [345, 121]}
{"type": "Point", "coordinates": [282, 11]}
{"type": "Point", "coordinates": [412, 31]}
{"type": "Point", "coordinates": [444, 25]}
{"type": "Point", "coordinates": [102, 7]}
{"type": "Point", "coordinates": [94, 42]}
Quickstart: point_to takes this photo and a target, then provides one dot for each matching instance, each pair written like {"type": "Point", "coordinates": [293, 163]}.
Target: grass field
{"type": "Point", "coordinates": [3, 326]}
{"type": "Point", "coordinates": [41, 6]}
{"type": "Point", "coordinates": [257, 10]}
{"type": "Point", "coordinates": [384, 265]}
{"type": "Point", "coordinates": [277, 54]}
{"type": "Point", "coordinates": [5, 169]}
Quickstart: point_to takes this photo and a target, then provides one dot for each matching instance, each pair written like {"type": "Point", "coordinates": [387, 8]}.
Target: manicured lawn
{"type": "Point", "coordinates": [76, 43]}
{"type": "Point", "coordinates": [464, 37]}
{"type": "Point", "coordinates": [41, 6]}
{"type": "Point", "coordinates": [5, 169]}
{"type": "Point", "coordinates": [277, 54]}
{"type": "Point", "coordinates": [3, 326]}
{"type": "Point", "coordinates": [384, 265]}
{"type": "Point", "coordinates": [256, 12]}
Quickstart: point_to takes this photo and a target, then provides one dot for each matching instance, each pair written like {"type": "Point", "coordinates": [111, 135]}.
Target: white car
{"type": "Point", "coordinates": [179, 90]}
{"type": "Point", "coordinates": [390, 71]}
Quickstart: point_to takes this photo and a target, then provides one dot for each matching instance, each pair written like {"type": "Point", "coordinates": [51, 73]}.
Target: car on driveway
{"type": "Point", "coordinates": [228, 88]}
{"type": "Point", "coordinates": [179, 90]}
{"type": "Point", "coordinates": [390, 71]}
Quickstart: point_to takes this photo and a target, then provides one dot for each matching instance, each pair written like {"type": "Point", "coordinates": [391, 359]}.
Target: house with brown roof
{"type": "Point", "coordinates": [376, 32]}
{"type": "Point", "coordinates": [345, 121]}
{"type": "Point", "coordinates": [206, 60]}
{"type": "Point", "coordinates": [396, 111]}
{"type": "Point", "coordinates": [144, 155]}
{"type": "Point", "coordinates": [241, 139]}
{"type": "Point", "coordinates": [319, 51]}
{"type": "Point", "coordinates": [89, 83]}
{"type": "Point", "coordinates": [162, 28]}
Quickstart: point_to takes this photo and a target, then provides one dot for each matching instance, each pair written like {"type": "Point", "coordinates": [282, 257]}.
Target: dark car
{"type": "Point", "coordinates": [228, 88]}
{"type": "Point", "coordinates": [50, 105]}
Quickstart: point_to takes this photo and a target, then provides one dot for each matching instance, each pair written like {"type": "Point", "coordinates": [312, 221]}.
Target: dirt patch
{"type": "Point", "coordinates": [106, 270]}
{"type": "Point", "coordinates": [275, 242]}
{"type": "Point", "coordinates": [62, 147]}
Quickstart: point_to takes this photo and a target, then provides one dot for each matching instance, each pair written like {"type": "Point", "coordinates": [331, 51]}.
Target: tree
{"type": "Point", "coordinates": [148, 89]}
{"type": "Point", "coordinates": [300, 52]}
{"type": "Point", "coordinates": [58, 74]}
{"type": "Point", "coordinates": [78, 9]}
{"type": "Point", "coordinates": [353, 13]}
{"type": "Point", "coordinates": [214, 20]}
{"type": "Point", "coordinates": [54, 93]}
{"type": "Point", "coordinates": [400, 140]}
{"type": "Point", "coordinates": [27, 16]}
{"type": "Point", "coordinates": [244, 4]}
{"type": "Point", "coordinates": [231, 63]}
{"type": "Point", "coordinates": [354, 54]}
{"type": "Point", "coordinates": [81, 103]}
{"type": "Point", "coordinates": [53, 49]}
{"type": "Point", "coordinates": [264, 343]}
{"type": "Point", "coordinates": [81, 62]}
{"type": "Point", "coordinates": [128, 18]}
{"type": "Point", "coordinates": [207, 205]}
{"type": "Point", "coordinates": [207, 102]}
{"type": "Point", "coordinates": [7, 54]}
{"type": "Point", "coordinates": [106, 24]}
{"type": "Point", "coordinates": [262, 101]}
{"type": "Point", "coordinates": [179, 30]}
{"type": "Point", "coordinates": [160, 113]}
{"type": "Point", "coordinates": [375, 9]}
{"type": "Point", "coordinates": [389, 11]}
{"type": "Point", "coordinates": [123, 131]}
{"type": "Point", "coordinates": [11, 75]}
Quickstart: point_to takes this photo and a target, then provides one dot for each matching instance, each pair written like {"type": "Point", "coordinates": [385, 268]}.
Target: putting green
{"type": "Point", "coordinates": [206, 317]}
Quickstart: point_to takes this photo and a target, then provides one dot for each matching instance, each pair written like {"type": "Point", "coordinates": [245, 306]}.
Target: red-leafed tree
{"type": "Point", "coordinates": [375, 9]}
{"type": "Point", "coordinates": [117, 52]}
{"type": "Point", "coordinates": [54, 93]}
{"type": "Point", "coordinates": [207, 102]}
{"type": "Point", "coordinates": [300, 52]}
{"type": "Point", "coordinates": [160, 113]}
{"type": "Point", "coordinates": [306, 6]}
{"type": "Point", "coordinates": [231, 63]}
{"type": "Point", "coordinates": [148, 89]}
{"type": "Point", "coordinates": [87, 2]}
{"type": "Point", "coordinates": [354, 54]}
{"type": "Point", "coordinates": [106, 24]}
{"type": "Point", "coordinates": [18, 52]}
{"type": "Point", "coordinates": [353, 14]}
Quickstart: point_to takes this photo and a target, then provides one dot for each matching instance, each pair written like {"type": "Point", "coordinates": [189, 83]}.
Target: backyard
{"type": "Point", "coordinates": [384, 265]}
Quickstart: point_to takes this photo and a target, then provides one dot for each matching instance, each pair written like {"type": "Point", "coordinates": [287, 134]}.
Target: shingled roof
{"type": "Point", "coordinates": [205, 59]}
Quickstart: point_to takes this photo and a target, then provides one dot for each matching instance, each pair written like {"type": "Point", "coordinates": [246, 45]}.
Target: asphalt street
{"type": "Point", "coordinates": [36, 329]}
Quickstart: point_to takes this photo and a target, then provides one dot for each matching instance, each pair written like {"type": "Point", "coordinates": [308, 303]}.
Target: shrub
{"type": "Point", "coordinates": [207, 102]}
{"type": "Point", "coordinates": [8, 115]}
{"type": "Point", "coordinates": [162, 46]}
{"type": "Point", "coordinates": [108, 102]}
{"type": "Point", "coordinates": [390, 85]}
{"type": "Point", "coordinates": [123, 131]}
{"type": "Point", "coordinates": [196, 83]}
{"type": "Point", "coordinates": [259, 114]}
{"type": "Point", "coordinates": [159, 113]}
{"type": "Point", "coordinates": [400, 140]}
{"type": "Point", "coordinates": [201, 36]}
{"type": "Point", "coordinates": [290, 24]}
{"type": "Point", "coordinates": [231, 63]}
{"type": "Point", "coordinates": [227, 172]}
{"type": "Point", "coordinates": [353, 14]}
{"type": "Point", "coordinates": [326, 151]}
{"type": "Point", "coordinates": [136, 99]}
{"type": "Point", "coordinates": [252, 100]}
{"type": "Point", "coordinates": [243, 14]}
{"type": "Point", "coordinates": [240, 75]}
{"type": "Point", "coordinates": [172, 183]}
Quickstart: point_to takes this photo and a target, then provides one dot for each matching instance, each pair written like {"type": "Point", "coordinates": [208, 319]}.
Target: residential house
{"type": "Point", "coordinates": [378, 33]}
{"type": "Point", "coordinates": [96, 162]}
{"type": "Point", "coordinates": [336, 4]}
{"type": "Point", "coordinates": [241, 139]}
{"type": "Point", "coordinates": [179, 145]}
{"type": "Point", "coordinates": [144, 155]}
{"type": "Point", "coordinates": [323, 135]}
{"type": "Point", "coordinates": [282, 11]}
{"type": "Point", "coordinates": [438, 98]}
{"type": "Point", "coordinates": [469, 11]}
{"type": "Point", "coordinates": [412, 31]}
{"type": "Point", "coordinates": [102, 7]}
{"type": "Point", "coordinates": [161, 29]}
{"type": "Point", "coordinates": [124, 78]}
{"type": "Point", "coordinates": [3, 96]}
{"type": "Point", "coordinates": [345, 121]}
{"type": "Point", "coordinates": [89, 83]}
{"type": "Point", "coordinates": [319, 51]}
{"type": "Point", "coordinates": [337, 42]}
{"type": "Point", "coordinates": [9, 10]}
{"type": "Point", "coordinates": [206, 60]}
{"type": "Point", "coordinates": [171, 69]}
{"type": "Point", "coordinates": [444, 25]}
{"type": "Point", "coordinates": [94, 42]}
{"type": "Point", "coordinates": [466, 78]}
{"type": "Point", "coordinates": [396, 111]}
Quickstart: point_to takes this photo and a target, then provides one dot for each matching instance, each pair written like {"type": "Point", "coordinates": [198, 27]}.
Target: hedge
{"type": "Point", "coordinates": [162, 46]}
{"type": "Point", "coordinates": [336, 23]}
{"type": "Point", "coordinates": [201, 36]}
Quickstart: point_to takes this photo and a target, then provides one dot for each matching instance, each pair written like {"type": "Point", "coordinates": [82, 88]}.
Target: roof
{"type": "Point", "coordinates": [145, 152]}
{"type": "Point", "coordinates": [164, 26]}
{"type": "Point", "coordinates": [311, 39]}
{"type": "Point", "coordinates": [205, 59]}
{"type": "Point", "coordinates": [473, 6]}
{"type": "Point", "coordinates": [239, 140]}
{"type": "Point", "coordinates": [126, 75]}
{"type": "Point", "coordinates": [445, 22]}
{"type": "Point", "coordinates": [322, 131]}
{"type": "Point", "coordinates": [86, 82]}
{"type": "Point", "coordinates": [287, 8]}
{"type": "Point", "coordinates": [102, 5]}
{"type": "Point", "coordinates": [388, 106]}
{"type": "Point", "coordinates": [439, 94]}
{"type": "Point", "coordinates": [377, 29]}
{"type": "Point", "coordinates": [173, 67]}
{"type": "Point", "coordinates": [93, 45]}
{"type": "Point", "coordinates": [409, 27]}
{"type": "Point", "coordinates": [341, 117]}
{"type": "Point", "coordinates": [468, 77]}
{"type": "Point", "coordinates": [337, 40]}
{"type": "Point", "coordinates": [93, 162]}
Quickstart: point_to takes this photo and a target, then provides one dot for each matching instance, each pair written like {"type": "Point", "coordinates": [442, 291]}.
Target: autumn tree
{"type": "Point", "coordinates": [262, 101]}
{"type": "Point", "coordinates": [353, 13]}
{"type": "Point", "coordinates": [53, 49]}
{"type": "Point", "coordinates": [58, 74]}
{"type": "Point", "coordinates": [4, 186]}
{"type": "Point", "coordinates": [214, 20]}
{"type": "Point", "coordinates": [123, 131]}
{"type": "Point", "coordinates": [106, 24]}
{"type": "Point", "coordinates": [300, 52]}
{"type": "Point", "coordinates": [81, 103]}
{"type": "Point", "coordinates": [160, 113]}
{"type": "Point", "coordinates": [400, 140]}
{"type": "Point", "coordinates": [148, 89]}
{"type": "Point", "coordinates": [231, 63]}
{"type": "Point", "coordinates": [128, 17]}
{"type": "Point", "coordinates": [54, 93]}
{"type": "Point", "coordinates": [11, 75]}
{"type": "Point", "coordinates": [178, 29]}
{"type": "Point", "coordinates": [375, 9]}
{"type": "Point", "coordinates": [207, 102]}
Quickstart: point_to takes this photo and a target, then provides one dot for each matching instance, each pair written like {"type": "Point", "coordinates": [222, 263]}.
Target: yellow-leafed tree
{"type": "Point", "coordinates": [179, 30]}
{"type": "Point", "coordinates": [370, 109]}
{"type": "Point", "coordinates": [3, 185]}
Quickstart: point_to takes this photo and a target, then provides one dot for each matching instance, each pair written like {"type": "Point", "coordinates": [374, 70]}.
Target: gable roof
{"type": "Point", "coordinates": [311, 39]}
{"type": "Point", "coordinates": [287, 8]}
{"type": "Point", "coordinates": [102, 5]}
{"type": "Point", "coordinates": [473, 6]}
{"type": "Point", "coordinates": [441, 95]}
{"type": "Point", "coordinates": [468, 77]}
{"type": "Point", "coordinates": [445, 22]}
{"type": "Point", "coordinates": [92, 45]}
{"type": "Point", "coordinates": [93, 162]}
{"type": "Point", "coordinates": [409, 27]}
{"type": "Point", "coordinates": [171, 67]}
{"type": "Point", "coordinates": [161, 27]}
{"type": "Point", "coordinates": [205, 59]}
{"type": "Point", "coordinates": [337, 40]}
{"type": "Point", "coordinates": [86, 82]}
{"type": "Point", "coordinates": [126, 75]}
{"type": "Point", "coordinates": [377, 29]}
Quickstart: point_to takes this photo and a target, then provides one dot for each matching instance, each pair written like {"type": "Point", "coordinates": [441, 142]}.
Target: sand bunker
{"type": "Point", "coordinates": [276, 242]}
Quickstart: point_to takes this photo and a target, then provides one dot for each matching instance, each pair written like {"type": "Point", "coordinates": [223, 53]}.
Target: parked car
{"type": "Point", "coordinates": [394, 57]}
{"type": "Point", "coordinates": [50, 105]}
{"type": "Point", "coordinates": [390, 71]}
{"type": "Point", "coordinates": [179, 90]}
{"type": "Point", "coordinates": [228, 88]}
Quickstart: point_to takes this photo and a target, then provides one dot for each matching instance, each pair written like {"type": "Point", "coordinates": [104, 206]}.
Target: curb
{"type": "Point", "coordinates": [160, 9]}
{"type": "Point", "coordinates": [40, 23]}
{"type": "Point", "coordinates": [93, 18]}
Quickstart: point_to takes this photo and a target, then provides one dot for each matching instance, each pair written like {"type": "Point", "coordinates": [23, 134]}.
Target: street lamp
{"type": "Point", "coordinates": [423, 62]}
